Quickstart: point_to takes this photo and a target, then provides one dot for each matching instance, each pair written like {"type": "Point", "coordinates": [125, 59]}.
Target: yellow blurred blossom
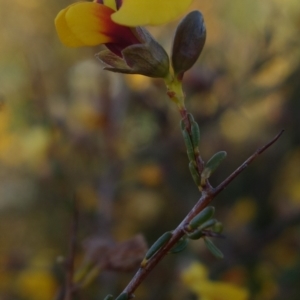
{"type": "Point", "coordinates": [196, 278]}
{"type": "Point", "coordinates": [243, 211]}
{"type": "Point", "coordinates": [36, 284]}
{"type": "Point", "coordinates": [150, 174]}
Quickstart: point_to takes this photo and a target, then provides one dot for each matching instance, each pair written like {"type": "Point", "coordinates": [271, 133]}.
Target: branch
{"type": "Point", "coordinates": [246, 163]}
{"type": "Point", "coordinates": [208, 195]}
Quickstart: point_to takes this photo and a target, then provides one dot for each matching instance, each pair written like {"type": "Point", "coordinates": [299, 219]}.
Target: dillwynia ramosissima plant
{"type": "Point", "coordinates": [130, 49]}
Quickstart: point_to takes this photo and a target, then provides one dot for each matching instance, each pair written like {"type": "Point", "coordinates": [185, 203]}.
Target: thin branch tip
{"type": "Point", "coordinates": [246, 163]}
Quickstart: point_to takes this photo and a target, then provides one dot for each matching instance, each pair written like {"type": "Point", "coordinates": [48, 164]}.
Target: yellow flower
{"type": "Point", "coordinates": [195, 277]}
{"type": "Point", "coordinates": [109, 22]}
{"type": "Point", "coordinates": [90, 24]}
{"type": "Point", "coordinates": [145, 12]}
{"type": "Point", "coordinates": [131, 50]}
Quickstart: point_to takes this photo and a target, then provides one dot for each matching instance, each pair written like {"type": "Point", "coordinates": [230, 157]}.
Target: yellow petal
{"type": "Point", "coordinates": [66, 36]}
{"type": "Point", "coordinates": [90, 22]}
{"type": "Point", "coordinates": [145, 12]}
{"type": "Point", "coordinates": [220, 291]}
{"type": "Point", "coordinates": [111, 4]}
{"type": "Point", "coordinates": [85, 24]}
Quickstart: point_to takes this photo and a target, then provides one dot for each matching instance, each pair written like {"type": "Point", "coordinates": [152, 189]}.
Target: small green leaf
{"type": "Point", "coordinates": [213, 248]}
{"type": "Point", "coordinates": [194, 172]}
{"type": "Point", "coordinates": [123, 296]}
{"type": "Point", "coordinates": [208, 224]}
{"type": "Point", "coordinates": [109, 297]}
{"type": "Point", "coordinates": [191, 156]}
{"type": "Point", "coordinates": [195, 133]}
{"type": "Point", "coordinates": [195, 235]}
{"type": "Point", "coordinates": [190, 117]}
{"type": "Point", "coordinates": [202, 217]}
{"type": "Point", "coordinates": [158, 244]}
{"type": "Point", "coordinates": [213, 163]}
{"type": "Point", "coordinates": [188, 142]}
{"type": "Point", "coordinates": [180, 245]}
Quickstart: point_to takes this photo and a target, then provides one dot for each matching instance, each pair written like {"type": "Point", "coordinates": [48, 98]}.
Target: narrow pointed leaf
{"type": "Point", "coordinates": [213, 164]}
{"type": "Point", "coordinates": [213, 248]}
{"type": "Point", "coordinates": [158, 244]}
{"type": "Point", "coordinates": [123, 296]}
{"type": "Point", "coordinates": [195, 133]}
{"type": "Point", "coordinates": [202, 217]}
{"type": "Point", "coordinates": [194, 173]}
{"type": "Point", "coordinates": [180, 246]}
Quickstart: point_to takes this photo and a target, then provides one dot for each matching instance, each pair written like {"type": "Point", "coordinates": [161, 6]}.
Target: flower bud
{"type": "Point", "coordinates": [147, 58]}
{"type": "Point", "coordinates": [188, 42]}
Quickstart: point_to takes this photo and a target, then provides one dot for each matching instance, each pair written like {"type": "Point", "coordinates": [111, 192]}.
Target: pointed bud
{"type": "Point", "coordinates": [218, 227]}
{"type": "Point", "coordinates": [188, 42]}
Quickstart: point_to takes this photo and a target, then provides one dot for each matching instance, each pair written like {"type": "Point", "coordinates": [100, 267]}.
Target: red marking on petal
{"type": "Point", "coordinates": [121, 35]}
{"type": "Point", "coordinates": [119, 3]}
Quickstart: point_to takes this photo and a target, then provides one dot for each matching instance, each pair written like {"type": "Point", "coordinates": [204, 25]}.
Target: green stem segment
{"type": "Point", "coordinates": [190, 129]}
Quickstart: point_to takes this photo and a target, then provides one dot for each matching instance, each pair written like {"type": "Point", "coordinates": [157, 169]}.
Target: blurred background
{"type": "Point", "coordinates": [69, 130]}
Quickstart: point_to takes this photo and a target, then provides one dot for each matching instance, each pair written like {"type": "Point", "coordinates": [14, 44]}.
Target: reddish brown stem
{"type": "Point", "coordinates": [208, 195]}
{"type": "Point", "coordinates": [246, 163]}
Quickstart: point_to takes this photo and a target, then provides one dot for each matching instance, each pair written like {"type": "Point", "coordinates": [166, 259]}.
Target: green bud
{"type": "Point", "coordinates": [179, 246]}
{"type": "Point", "coordinates": [188, 42]}
{"type": "Point", "coordinates": [202, 217]}
{"type": "Point", "coordinates": [194, 172]}
{"type": "Point", "coordinates": [213, 163]}
{"type": "Point", "coordinates": [213, 248]}
{"type": "Point", "coordinates": [218, 227]}
{"type": "Point", "coordinates": [123, 296]}
{"type": "Point", "coordinates": [158, 244]}
{"type": "Point", "coordinates": [109, 297]}
{"type": "Point", "coordinates": [195, 133]}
